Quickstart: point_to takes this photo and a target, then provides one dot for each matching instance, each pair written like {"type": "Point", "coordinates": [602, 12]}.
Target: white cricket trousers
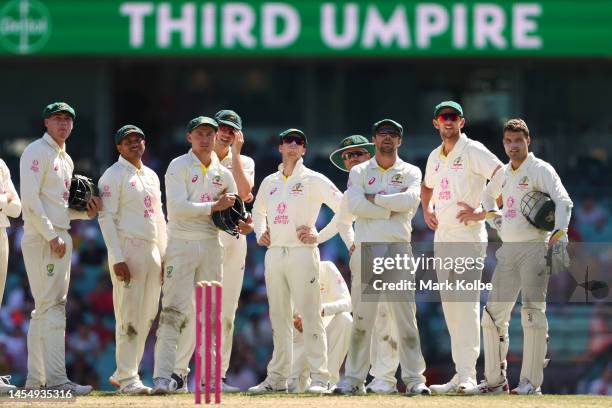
{"type": "Point", "coordinates": [292, 278]}
{"type": "Point", "coordinates": [520, 268]}
{"type": "Point", "coordinates": [187, 262]}
{"type": "Point", "coordinates": [384, 355]}
{"type": "Point", "coordinates": [234, 251]}
{"type": "Point", "coordinates": [135, 303]}
{"type": "Point", "coordinates": [4, 253]}
{"type": "Point", "coordinates": [48, 276]}
{"type": "Point", "coordinates": [338, 331]}
{"type": "Point", "coordinates": [461, 308]}
{"type": "Point", "coordinates": [364, 315]}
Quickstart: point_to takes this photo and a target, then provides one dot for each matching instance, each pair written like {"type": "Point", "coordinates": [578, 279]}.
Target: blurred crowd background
{"type": "Point", "coordinates": [563, 99]}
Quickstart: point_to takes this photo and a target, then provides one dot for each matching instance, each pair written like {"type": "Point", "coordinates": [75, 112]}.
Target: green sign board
{"type": "Point", "coordinates": [551, 28]}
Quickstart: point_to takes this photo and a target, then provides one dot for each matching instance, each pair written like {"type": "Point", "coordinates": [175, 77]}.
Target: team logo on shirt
{"type": "Point", "coordinates": [35, 166]}
{"type": "Point", "coordinates": [149, 211]}
{"type": "Point", "coordinates": [194, 178]}
{"type": "Point", "coordinates": [205, 198]}
{"type": "Point", "coordinates": [169, 270]}
{"type": "Point", "coordinates": [457, 163]}
{"type": "Point", "coordinates": [217, 181]}
{"type": "Point", "coordinates": [50, 269]}
{"type": "Point", "coordinates": [523, 183]}
{"type": "Point", "coordinates": [297, 189]}
{"type": "Point", "coordinates": [274, 190]}
{"type": "Point", "coordinates": [511, 211]}
{"type": "Point", "coordinates": [281, 217]}
{"type": "Point", "coordinates": [133, 183]}
{"type": "Point", "coordinates": [437, 167]}
{"type": "Point", "coordinates": [55, 167]}
{"type": "Point", "coordinates": [106, 191]}
{"type": "Point", "coordinates": [397, 179]}
{"type": "Point", "coordinates": [445, 194]}
{"type": "Point", "coordinates": [371, 181]}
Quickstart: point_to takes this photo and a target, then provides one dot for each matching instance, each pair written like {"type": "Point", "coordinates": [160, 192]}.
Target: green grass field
{"type": "Point", "coordinates": [101, 400]}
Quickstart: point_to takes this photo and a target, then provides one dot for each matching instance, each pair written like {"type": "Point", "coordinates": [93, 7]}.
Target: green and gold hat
{"type": "Point", "coordinates": [448, 104]}
{"type": "Point", "coordinates": [201, 120]}
{"type": "Point", "coordinates": [126, 130]}
{"type": "Point", "coordinates": [56, 107]}
{"type": "Point", "coordinates": [349, 143]}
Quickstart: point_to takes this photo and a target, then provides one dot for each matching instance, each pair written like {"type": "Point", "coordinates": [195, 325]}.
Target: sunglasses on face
{"type": "Point", "coordinates": [293, 138]}
{"type": "Point", "coordinates": [388, 132]}
{"type": "Point", "coordinates": [350, 155]}
{"type": "Point", "coordinates": [451, 116]}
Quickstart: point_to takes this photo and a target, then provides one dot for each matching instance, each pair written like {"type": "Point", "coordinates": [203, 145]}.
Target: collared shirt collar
{"type": "Point", "coordinates": [130, 166]}
{"type": "Point", "coordinates": [47, 137]}
{"type": "Point", "coordinates": [373, 164]}
{"type": "Point", "coordinates": [298, 169]}
{"type": "Point", "coordinates": [214, 160]}
{"type": "Point", "coordinates": [463, 139]}
{"type": "Point", "coordinates": [524, 165]}
{"type": "Point", "coordinates": [227, 156]}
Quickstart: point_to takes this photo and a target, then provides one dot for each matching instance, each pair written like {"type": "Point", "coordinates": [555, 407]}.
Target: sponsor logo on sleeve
{"type": "Point", "coordinates": [35, 167]}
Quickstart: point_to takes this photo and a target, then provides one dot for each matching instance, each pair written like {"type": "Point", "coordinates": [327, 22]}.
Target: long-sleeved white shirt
{"type": "Point", "coordinates": [7, 209]}
{"type": "Point", "coordinates": [191, 190]}
{"type": "Point", "coordinates": [398, 194]}
{"type": "Point", "coordinates": [459, 177]}
{"type": "Point", "coordinates": [533, 175]}
{"type": "Point", "coordinates": [248, 165]}
{"type": "Point", "coordinates": [131, 207]}
{"type": "Point", "coordinates": [45, 171]}
{"type": "Point", "coordinates": [283, 204]}
{"type": "Point", "coordinates": [335, 295]}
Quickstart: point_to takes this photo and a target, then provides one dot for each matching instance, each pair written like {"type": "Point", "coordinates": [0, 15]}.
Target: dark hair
{"type": "Point", "coordinates": [517, 125]}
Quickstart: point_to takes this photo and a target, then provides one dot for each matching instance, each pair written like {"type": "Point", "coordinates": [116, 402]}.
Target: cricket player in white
{"type": "Point", "coordinates": [286, 200]}
{"type": "Point", "coordinates": [10, 206]}
{"type": "Point", "coordinates": [196, 185]}
{"type": "Point", "coordinates": [455, 178]}
{"type": "Point", "coordinates": [228, 145]}
{"type": "Point", "coordinates": [521, 262]}
{"type": "Point", "coordinates": [337, 319]}
{"type": "Point", "coordinates": [383, 193]}
{"type": "Point", "coordinates": [134, 230]}
{"type": "Point", "coordinates": [384, 357]}
{"type": "Point", "coordinates": [46, 173]}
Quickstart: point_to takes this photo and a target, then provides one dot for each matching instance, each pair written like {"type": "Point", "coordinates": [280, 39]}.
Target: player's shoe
{"type": "Point", "coordinates": [485, 389]}
{"type": "Point", "coordinates": [418, 389]}
{"type": "Point", "coordinates": [525, 387]}
{"type": "Point", "coordinates": [225, 387]}
{"type": "Point", "coordinates": [113, 381]}
{"type": "Point", "coordinates": [379, 386]}
{"type": "Point", "coordinates": [76, 389]}
{"type": "Point", "coordinates": [318, 387]}
{"type": "Point", "coordinates": [163, 385]}
{"type": "Point", "coordinates": [5, 384]}
{"type": "Point", "coordinates": [467, 386]}
{"type": "Point", "coordinates": [298, 385]}
{"type": "Point", "coordinates": [450, 387]}
{"type": "Point", "coordinates": [135, 388]}
{"type": "Point", "coordinates": [181, 383]}
{"type": "Point", "coordinates": [349, 387]}
{"type": "Point", "coordinates": [268, 386]}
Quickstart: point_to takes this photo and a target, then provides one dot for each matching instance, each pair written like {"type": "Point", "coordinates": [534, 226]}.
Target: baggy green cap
{"type": "Point", "coordinates": [58, 107]}
{"type": "Point", "coordinates": [448, 104]}
{"type": "Point", "coordinates": [388, 122]}
{"type": "Point", "coordinates": [230, 118]}
{"type": "Point", "coordinates": [349, 143]}
{"type": "Point", "coordinates": [201, 120]}
{"type": "Point", "coordinates": [126, 130]}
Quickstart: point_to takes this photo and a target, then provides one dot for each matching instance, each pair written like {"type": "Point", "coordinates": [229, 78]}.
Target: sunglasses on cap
{"type": "Point", "coordinates": [391, 131]}
{"type": "Point", "coordinates": [449, 116]}
{"type": "Point", "coordinates": [354, 153]}
{"type": "Point", "coordinates": [288, 139]}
